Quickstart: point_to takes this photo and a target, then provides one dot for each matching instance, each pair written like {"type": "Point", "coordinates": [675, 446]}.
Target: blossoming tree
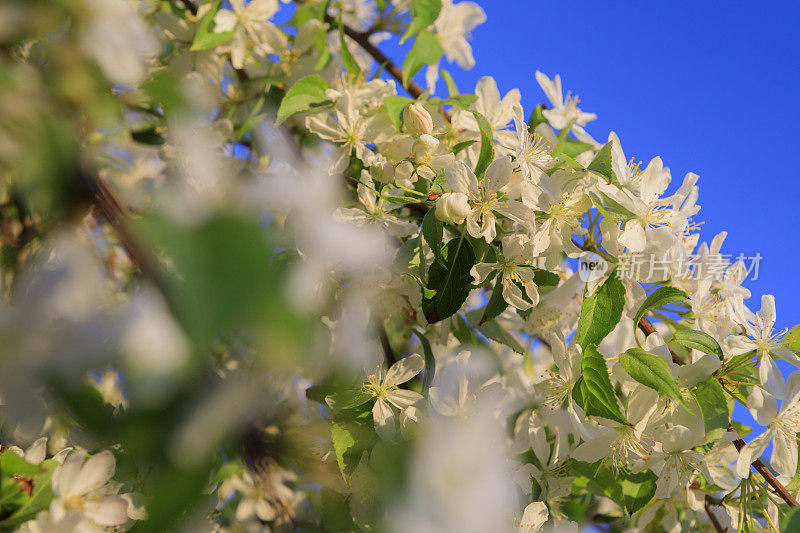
{"type": "Point", "coordinates": [258, 275]}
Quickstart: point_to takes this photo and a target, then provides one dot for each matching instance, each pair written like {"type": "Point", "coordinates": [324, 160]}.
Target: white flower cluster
{"type": "Point", "coordinates": [334, 300]}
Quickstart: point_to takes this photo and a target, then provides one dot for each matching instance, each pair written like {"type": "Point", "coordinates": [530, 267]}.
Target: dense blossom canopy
{"type": "Point", "coordinates": [257, 278]}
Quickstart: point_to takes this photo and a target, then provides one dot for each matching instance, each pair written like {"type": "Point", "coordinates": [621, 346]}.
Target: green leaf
{"type": "Point", "coordinates": [597, 392]}
{"type": "Point", "coordinates": [536, 118]}
{"type": "Point", "coordinates": [433, 231]}
{"type": "Point", "coordinates": [545, 278]}
{"type": "Point", "coordinates": [601, 311]}
{"type": "Point", "coordinates": [792, 339]}
{"type": "Point", "coordinates": [228, 470]}
{"type": "Point", "coordinates": [714, 406]}
{"type": "Point", "coordinates": [698, 340]}
{"type": "Point", "coordinates": [440, 184]}
{"type": "Point", "coordinates": [790, 523]}
{"type": "Point", "coordinates": [610, 208]}
{"type": "Point", "coordinates": [430, 361]}
{"type": "Point", "coordinates": [394, 108]}
{"type": "Point", "coordinates": [601, 164]}
{"type": "Point", "coordinates": [486, 154]}
{"type": "Point", "coordinates": [206, 38]}
{"type": "Point", "coordinates": [148, 136]}
{"type": "Point", "coordinates": [661, 297]}
{"type": "Point", "coordinates": [452, 88]}
{"type": "Point", "coordinates": [652, 371]}
{"type": "Point", "coordinates": [452, 282]}
{"type": "Point", "coordinates": [29, 506]}
{"type": "Point", "coordinates": [426, 51]}
{"type": "Point", "coordinates": [335, 513]}
{"type": "Point", "coordinates": [217, 275]}
{"type": "Point", "coordinates": [307, 94]}
{"type": "Point", "coordinates": [349, 61]}
{"type": "Point", "coordinates": [599, 479]}
{"type": "Point", "coordinates": [497, 303]}
{"type": "Point", "coordinates": [423, 14]}
{"type": "Point", "coordinates": [637, 489]}
{"type": "Point", "coordinates": [461, 100]}
{"type": "Point", "coordinates": [571, 147]}
{"type": "Point", "coordinates": [351, 434]}
{"type": "Point", "coordinates": [464, 333]}
{"type": "Point", "coordinates": [459, 147]}
{"type": "Point", "coordinates": [253, 118]}
{"type": "Point", "coordinates": [493, 331]}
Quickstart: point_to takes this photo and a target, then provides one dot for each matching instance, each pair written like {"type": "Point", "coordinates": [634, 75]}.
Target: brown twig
{"type": "Point", "coordinates": [713, 518]}
{"type": "Point", "coordinates": [362, 39]}
{"type": "Point", "coordinates": [188, 4]}
{"type": "Point", "coordinates": [388, 352]}
{"type": "Point", "coordinates": [647, 328]}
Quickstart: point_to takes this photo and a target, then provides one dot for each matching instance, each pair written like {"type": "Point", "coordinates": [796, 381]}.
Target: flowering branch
{"type": "Point", "coordinates": [647, 328]}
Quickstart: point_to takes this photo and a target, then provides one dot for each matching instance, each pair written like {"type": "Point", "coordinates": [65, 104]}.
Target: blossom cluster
{"type": "Point", "coordinates": [250, 261]}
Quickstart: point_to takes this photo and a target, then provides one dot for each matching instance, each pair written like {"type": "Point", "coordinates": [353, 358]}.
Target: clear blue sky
{"type": "Point", "coordinates": [710, 87]}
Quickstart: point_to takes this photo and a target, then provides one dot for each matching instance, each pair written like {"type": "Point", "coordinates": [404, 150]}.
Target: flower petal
{"type": "Point", "coordinates": [403, 370]}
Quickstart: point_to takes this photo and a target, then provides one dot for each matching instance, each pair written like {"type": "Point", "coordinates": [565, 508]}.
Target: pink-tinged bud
{"type": "Point", "coordinates": [417, 119]}
{"type": "Point", "coordinates": [452, 207]}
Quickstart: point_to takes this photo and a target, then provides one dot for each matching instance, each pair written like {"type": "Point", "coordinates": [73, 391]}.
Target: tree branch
{"type": "Point", "coordinates": [362, 38]}
{"type": "Point", "coordinates": [647, 328]}
{"type": "Point", "coordinates": [713, 518]}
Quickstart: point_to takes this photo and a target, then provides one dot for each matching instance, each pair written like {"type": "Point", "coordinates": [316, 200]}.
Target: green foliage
{"type": "Point", "coordinates": [433, 231]}
{"type": "Point", "coordinates": [459, 147]}
{"type": "Point", "coordinates": [496, 304]}
{"type": "Point", "coordinates": [601, 311]}
{"type": "Point", "coordinates": [610, 208]}
{"type": "Point", "coordinates": [637, 490]}
{"type": "Point", "coordinates": [426, 51]}
{"type": "Point", "coordinates": [652, 371]}
{"type": "Point", "coordinates": [430, 361]}
{"type": "Point", "coordinates": [148, 136]}
{"type": "Point", "coordinates": [792, 339]}
{"type": "Point", "coordinates": [536, 117]}
{"type": "Point", "coordinates": [601, 164]}
{"type": "Point", "coordinates": [352, 432]}
{"type": "Point", "coordinates": [630, 491]}
{"type": "Point", "coordinates": [571, 147]}
{"type": "Point", "coordinates": [697, 340]}
{"type": "Point", "coordinates": [715, 407]}
{"type": "Point", "coordinates": [486, 155]}
{"type": "Point", "coordinates": [452, 282]}
{"type": "Point", "coordinates": [545, 278]}
{"type": "Point", "coordinates": [661, 297]}
{"type": "Point", "coordinates": [461, 100]}
{"type": "Point", "coordinates": [218, 275]}
{"type": "Point", "coordinates": [17, 478]}
{"type": "Point", "coordinates": [394, 108]}
{"type": "Point", "coordinates": [206, 38]}
{"type": "Point", "coordinates": [452, 88]}
{"type": "Point", "coordinates": [307, 94]}
{"type": "Point", "coordinates": [493, 331]}
{"type": "Point", "coordinates": [349, 61]}
{"type": "Point", "coordinates": [596, 391]}
{"type": "Point", "coordinates": [423, 14]}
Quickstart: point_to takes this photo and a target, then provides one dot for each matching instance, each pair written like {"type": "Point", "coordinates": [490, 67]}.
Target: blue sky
{"type": "Point", "coordinates": [709, 89]}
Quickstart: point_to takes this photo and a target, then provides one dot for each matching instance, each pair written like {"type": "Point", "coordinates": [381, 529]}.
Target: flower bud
{"type": "Point", "coordinates": [452, 207]}
{"type": "Point", "coordinates": [383, 173]}
{"type": "Point", "coordinates": [417, 120]}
